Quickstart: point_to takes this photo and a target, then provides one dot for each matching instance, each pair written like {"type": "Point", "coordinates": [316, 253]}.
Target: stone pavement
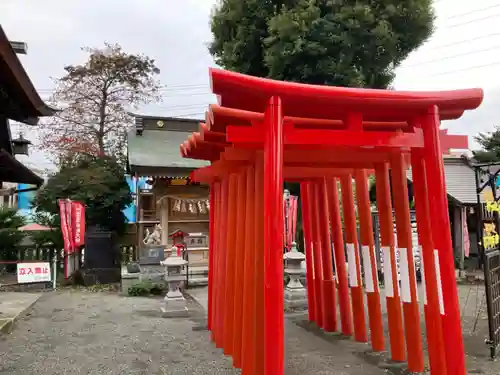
{"type": "Point", "coordinates": [474, 326]}
{"type": "Point", "coordinates": [78, 332]}
{"type": "Point", "coordinates": [200, 295]}
{"type": "Point", "coordinates": [13, 306]}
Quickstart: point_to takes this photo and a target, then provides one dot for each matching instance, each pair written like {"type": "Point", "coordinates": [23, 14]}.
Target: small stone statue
{"type": "Point", "coordinates": [153, 238]}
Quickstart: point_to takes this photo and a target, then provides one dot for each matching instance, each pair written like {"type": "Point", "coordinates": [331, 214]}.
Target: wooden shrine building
{"type": "Point", "coordinates": [169, 198]}
{"type": "Point", "coordinates": [19, 101]}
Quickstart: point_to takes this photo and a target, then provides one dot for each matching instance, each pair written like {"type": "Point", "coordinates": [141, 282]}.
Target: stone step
{"type": "Point", "coordinates": [198, 281]}
{"type": "Point", "coordinates": [198, 273]}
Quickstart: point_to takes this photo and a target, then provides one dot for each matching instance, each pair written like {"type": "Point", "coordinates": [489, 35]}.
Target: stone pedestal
{"type": "Point", "coordinates": [128, 279]}
{"type": "Point", "coordinates": [150, 263]}
{"type": "Point", "coordinates": [174, 302]}
{"type": "Point", "coordinates": [295, 293]}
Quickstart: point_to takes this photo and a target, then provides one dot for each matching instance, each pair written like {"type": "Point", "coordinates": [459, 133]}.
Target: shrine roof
{"type": "Point", "coordinates": [250, 93]}
{"type": "Point", "coordinates": [12, 170]}
{"type": "Point", "coordinates": [18, 98]}
{"type": "Point", "coordinates": [158, 149]}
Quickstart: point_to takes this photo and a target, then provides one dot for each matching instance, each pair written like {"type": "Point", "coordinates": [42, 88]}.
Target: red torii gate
{"type": "Point", "coordinates": [264, 132]}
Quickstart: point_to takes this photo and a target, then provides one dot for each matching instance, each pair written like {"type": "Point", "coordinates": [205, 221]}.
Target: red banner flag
{"type": "Point", "coordinates": [64, 211]}
{"type": "Point", "coordinates": [78, 223]}
{"type": "Point", "coordinates": [290, 213]}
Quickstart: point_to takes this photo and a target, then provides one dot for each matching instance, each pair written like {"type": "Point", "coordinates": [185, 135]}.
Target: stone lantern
{"type": "Point", "coordinates": [175, 303]}
{"type": "Point", "coordinates": [295, 293]}
{"type": "Point", "coordinates": [20, 145]}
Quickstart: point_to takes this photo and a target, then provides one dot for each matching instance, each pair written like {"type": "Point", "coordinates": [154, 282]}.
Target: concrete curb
{"type": "Point", "coordinates": [7, 324]}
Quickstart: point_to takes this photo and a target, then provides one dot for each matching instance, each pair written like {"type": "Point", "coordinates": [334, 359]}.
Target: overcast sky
{"type": "Point", "coordinates": [464, 51]}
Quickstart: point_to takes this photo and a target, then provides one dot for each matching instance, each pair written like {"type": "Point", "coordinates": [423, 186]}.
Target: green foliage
{"type": "Point", "coordinates": [355, 43]}
{"type": "Point", "coordinates": [146, 288]}
{"type": "Point", "coordinates": [490, 142]}
{"type": "Point", "coordinates": [10, 236]}
{"type": "Point", "coordinates": [98, 182]}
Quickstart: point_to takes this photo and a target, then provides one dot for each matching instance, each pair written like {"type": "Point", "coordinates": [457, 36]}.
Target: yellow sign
{"type": "Point", "coordinates": [491, 204]}
{"type": "Point", "coordinates": [490, 237]}
{"type": "Point", "coordinates": [179, 182]}
{"type": "Point", "coordinates": [492, 207]}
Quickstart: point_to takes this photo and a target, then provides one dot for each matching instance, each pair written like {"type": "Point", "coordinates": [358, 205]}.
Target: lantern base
{"type": "Point", "coordinates": [295, 298]}
{"type": "Point", "coordinates": [175, 308]}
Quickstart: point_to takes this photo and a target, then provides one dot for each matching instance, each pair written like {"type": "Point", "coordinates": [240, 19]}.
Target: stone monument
{"type": "Point", "coordinates": [295, 293]}
{"type": "Point", "coordinates": [174, 302]}
{"type": "Point", "coordinates": [151, 255]}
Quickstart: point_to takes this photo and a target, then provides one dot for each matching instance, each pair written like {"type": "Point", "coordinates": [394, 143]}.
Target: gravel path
{"type": "Point", "coordinates": [76, 332]}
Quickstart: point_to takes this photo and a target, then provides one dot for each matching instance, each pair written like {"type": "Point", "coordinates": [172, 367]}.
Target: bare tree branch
{"type": "Point", "coordinates": [94, 97]}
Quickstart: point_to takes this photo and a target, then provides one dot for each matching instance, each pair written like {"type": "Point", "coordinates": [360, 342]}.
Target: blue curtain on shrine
{"type": "Point", "coordinates": [130, 211]}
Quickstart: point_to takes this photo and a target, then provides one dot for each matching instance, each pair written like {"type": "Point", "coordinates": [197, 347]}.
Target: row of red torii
{"type": "Point", "coordinates": [265, 132]}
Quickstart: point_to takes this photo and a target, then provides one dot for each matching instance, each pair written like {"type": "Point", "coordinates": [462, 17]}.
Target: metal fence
{"type": "Point", "coordinates": [36, 254]}
{"type": "Point", "coordinates": [29, 255]}
{"type": "Point", "coordinates": [492, 281]}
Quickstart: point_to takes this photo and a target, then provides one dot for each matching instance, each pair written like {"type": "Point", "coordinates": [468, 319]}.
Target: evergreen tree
{"type": "Point", "coordinates": [354, 43]}
{"type": "Point", "coordinates": [490, 142]}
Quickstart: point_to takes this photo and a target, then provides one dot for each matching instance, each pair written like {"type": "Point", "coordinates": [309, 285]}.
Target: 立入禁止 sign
{"type": "Point", "coordinates": [33, 272]}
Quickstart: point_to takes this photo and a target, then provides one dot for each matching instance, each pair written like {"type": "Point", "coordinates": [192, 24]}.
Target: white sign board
{"type": "Point", "coordinates": [33, 272]}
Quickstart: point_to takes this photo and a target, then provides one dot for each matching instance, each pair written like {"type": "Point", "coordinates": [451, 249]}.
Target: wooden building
{"type": "Point", "coordinates": [169, 199]}
{"type": "Point", "coordinates": [19, 101]}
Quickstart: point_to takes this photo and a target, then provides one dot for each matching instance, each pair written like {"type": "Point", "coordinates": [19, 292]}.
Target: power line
{"type": "Point", "coordinates": [162, 89]}
{"type": "Point", "coordinates": [198, 114]}
{"type": "Point", "coordinates": [464, 41]}
{"type": "Point", "coordinates": [472, 21]}
{"type": "Point", "coordinates": [473, 11]}
{"type": "Point", "coordinates": [465, 69]}
{"type": "Point", "coordinates": [191, 106]}
{"type": "Point", "coordinates": [492, 48]}
{"type": "Point", "coordinates": [161, 96]}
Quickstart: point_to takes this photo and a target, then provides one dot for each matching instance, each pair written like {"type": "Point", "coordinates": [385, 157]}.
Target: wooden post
{"type": "Point", "coordinates": [409, 294]}
{"type": "Point", "coordinates": [273, 239]}
{"type": "Point", "coordinates": [370, 262]}
{"type": "Point", "coordinates": [339, 258]}
{"type": "Point", "coordinates": [434, 169]}
{"type": "Point", "coordinates": [211, 250]}
{"type": "Point", "coordinates": [306, 222]}
{"type": "Point", "coordinates": [391, 282]}
{"type": "Point", "coordinates": [239, 270]}
{"type": "Point", "coordinates": [328, 300]}
{"type": "Point", "coordinates": [232, 220]}
{"type": "Point", "coordinates": [358, 308]}
{"type": "Point", "coordinates": [318, 270]}
{"type": "Point", "coordinates": [432, 290]}
{"type": "Point", "coordinates": [260, 315]}
{"type": "Point", "coordinates": [222, 261]}
{"type": "Point", "coordinates": [248, 349]}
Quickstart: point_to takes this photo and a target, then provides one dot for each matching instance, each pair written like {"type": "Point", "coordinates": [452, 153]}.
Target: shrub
{"type": "Point", "coordinates": [146, 288]}
{"type": "Point", "coordinates": [10, 236]}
